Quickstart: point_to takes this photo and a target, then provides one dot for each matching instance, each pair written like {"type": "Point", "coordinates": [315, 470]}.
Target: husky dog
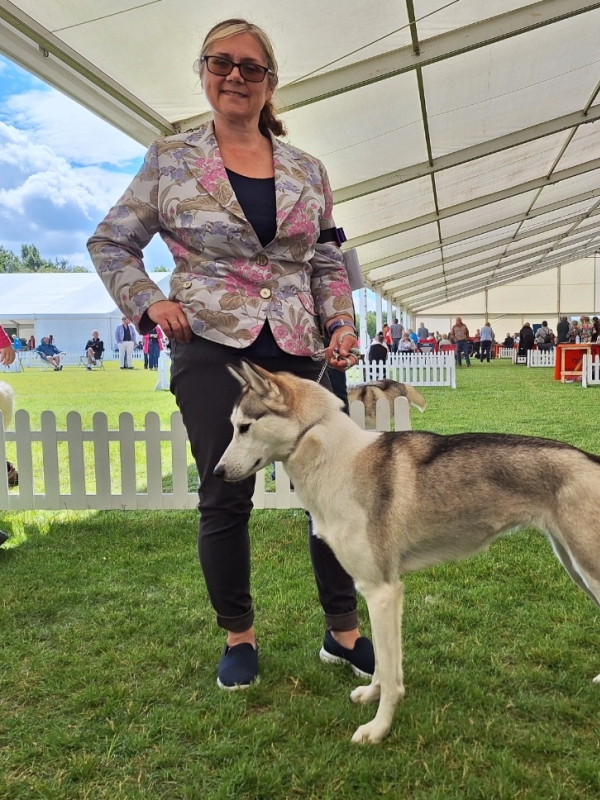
{"type": "Point", "coordinates": [7, 404]}
{"type": "Point", "coordinates": [370, 393]}
{"type": "Point", "coordinates": [388, 529]}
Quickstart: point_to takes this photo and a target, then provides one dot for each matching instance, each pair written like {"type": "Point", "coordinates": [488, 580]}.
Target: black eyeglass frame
{"type": "Point", "coordinates": [240, 65]}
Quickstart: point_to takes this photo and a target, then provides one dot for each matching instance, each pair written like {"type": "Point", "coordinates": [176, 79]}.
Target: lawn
{"type": "Point", "coordinates": [107, 669]}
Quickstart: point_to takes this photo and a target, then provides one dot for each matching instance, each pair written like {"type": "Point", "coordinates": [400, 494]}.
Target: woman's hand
{"type": "Point", "coordinates": [338, 354]}
{"type": "Point", "coordinates": [7, 355]}
{"type": "Point", "coordinates": [171, 319]}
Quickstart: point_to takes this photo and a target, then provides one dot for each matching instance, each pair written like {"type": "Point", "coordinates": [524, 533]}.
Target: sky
{"type": "Point", "coordinates": [61, 169]}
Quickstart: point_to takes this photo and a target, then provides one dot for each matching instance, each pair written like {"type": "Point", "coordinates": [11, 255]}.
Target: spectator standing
{"type": "Point", "coordinates": [94, 350]}
{"type": "Point", "coordinates": [476, 340]}
{"type": "Point", "coordinates": [574, 332]}
{"type": "Point", "coordinates": [526, 339]}
{"type": "Point", "coordinates": [387, 336]}
{"type": "Point", "coordinates": [562, 331]}
{"type": "Point", "coordinates": [125, 337]}
{"type": "Point", "coordinates": [586, 329]}
{"type": "Point", "coordinates": [422, 332]}
{"type": "Point", "coordinates": [459, 334]}
{"type": "Point", "coordinates": [544, 338]}
{"type": "Point", "coordinates": [153, 346]}
{"type": "Point", "coordinates": [7, 356]}
{"type": "Point", "coordinates": [396, 332]}
{"type": "Point", "coordinates": [49, 352]}
{"type": "Point", "coordinates": [596, 327]}
{"type": "Point", "coordinates": [486, 341]}
{"type": "Point", "coordinates": [378, 351]}
{"type": "Point", "coordinates": [31, 343]}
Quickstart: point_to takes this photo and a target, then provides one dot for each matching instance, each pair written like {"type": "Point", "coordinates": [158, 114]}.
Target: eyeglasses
{"type": "Point", "coordinates": [255, 73]}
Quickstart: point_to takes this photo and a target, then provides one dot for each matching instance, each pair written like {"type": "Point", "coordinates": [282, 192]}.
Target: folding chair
{"type": "Point", "coordinates": [44, 364]}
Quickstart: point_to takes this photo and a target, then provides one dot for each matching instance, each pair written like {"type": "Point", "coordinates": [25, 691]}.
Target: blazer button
{"type": "Point", "coordinates": [187, 285]}
{"type": "Point", "coordinates": [262, 260]}
{"type": "Point", "coordinates": [265, 293]}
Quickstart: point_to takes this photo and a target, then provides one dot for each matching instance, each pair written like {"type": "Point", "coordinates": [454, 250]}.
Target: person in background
{"type": "Point", "coordinates": [16, 342]}
{"type": "Point", "coordinates": [125, 337]}
{"type": "Point", "coordinates": [544, 338]}
{"type": "Point", "coordinates": [574, 332]}
{"type": "Point", "coordinates": [413, 336]}
{"type": "Point", "coordinates": [444, 340]}
{"type": "Point", "coordinates": [94, 350]}
{"type": "Point", "coordinates": [422, 332]}
{"type": "Point", "coordinates": [31, 343]}
{"type": "Point", "coordinates": [562, 331]}
{"type": "Point", "coordinates": [476, 341]}
{"type": "Point", "coordinates": [378, 351]}
{"type": "Point", "coordinates": [486, 341]}
{"type": "Point", "coordinates": [153, 346]}
{"type": "Point", "coordinates": [396, 332]}
{"type": "Point", "coordinates": [586, 329]}
{"type": "Point", "coordinates": [596, 327]}
{"type": "Point", "coordinates": [526, 339]}
{"type": "Point", "coordinates": [49, 352]}
{"type": "Point", "coordinates": [7, 356]}
{"type": "Point", "coordinates": [387, 336]}
{"type": "Point", "coordinates": [267, 283]}
{"type": "Point", "coordinates": [459, 334]}
{"type": "Point", "coordinates": [406, 345]}
{"type": "Point", "coordinates": [509, 341]}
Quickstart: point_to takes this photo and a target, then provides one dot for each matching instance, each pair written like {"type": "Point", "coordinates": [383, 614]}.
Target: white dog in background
{"type": "Point", "coordinates": [7, 407]}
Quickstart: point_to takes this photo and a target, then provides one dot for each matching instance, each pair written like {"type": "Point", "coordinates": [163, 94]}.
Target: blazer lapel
{"type": "Point", "coordinates": [206, 164]}
{"type": "Point", "coordinates": [290, 179]}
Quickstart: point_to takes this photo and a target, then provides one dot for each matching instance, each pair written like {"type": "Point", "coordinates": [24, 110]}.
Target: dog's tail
{"type": "Point", "coordinates": [415, 398]}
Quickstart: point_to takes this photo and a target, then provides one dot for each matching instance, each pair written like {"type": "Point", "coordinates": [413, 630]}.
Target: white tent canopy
{"type": "Point", "coordinates": [461, 137]}
{"type": "Point", "coordinates": [69, 305]}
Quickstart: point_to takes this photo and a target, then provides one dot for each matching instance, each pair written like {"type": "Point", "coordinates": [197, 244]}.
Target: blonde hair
{"type": "Point", "coordinates": [233, 27]}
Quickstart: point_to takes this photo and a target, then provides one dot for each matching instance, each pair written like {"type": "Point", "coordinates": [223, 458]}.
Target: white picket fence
{"type": "Point", "coordinates": [591, 371]}
{"type": "Point", "coordinates": [102, 469]}
{"type": "Point", "coordinates": [506, 352]}
{"type": "Point", "coordinates": [414, 369]}
{"type": "Point", "coordinates": [541, 358]}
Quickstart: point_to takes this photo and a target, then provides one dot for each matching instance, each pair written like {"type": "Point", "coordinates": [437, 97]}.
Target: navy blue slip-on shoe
{"type": "Point", "coordinates": [361, 658]}
{"type": "Point", "coordinates": [238, 667]}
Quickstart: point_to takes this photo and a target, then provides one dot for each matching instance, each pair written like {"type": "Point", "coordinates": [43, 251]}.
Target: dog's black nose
{"type": "Point", "coordinates": [219, 471]}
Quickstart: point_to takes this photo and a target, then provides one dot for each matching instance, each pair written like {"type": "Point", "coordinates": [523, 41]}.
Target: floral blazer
{"type": "Point", "coordinates": [228, 284]}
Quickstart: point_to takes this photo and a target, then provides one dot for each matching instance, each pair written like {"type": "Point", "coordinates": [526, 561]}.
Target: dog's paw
{"type": "Point", "coordinates": [366, 694]}
{"type": "Point", "coordinates": [597, 680]}
{"type": "Point", "coordinates": [371, 733]}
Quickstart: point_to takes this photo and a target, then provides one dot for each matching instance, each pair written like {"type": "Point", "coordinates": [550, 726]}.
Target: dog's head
{"type": "Point", "coordinates": [271, 413]}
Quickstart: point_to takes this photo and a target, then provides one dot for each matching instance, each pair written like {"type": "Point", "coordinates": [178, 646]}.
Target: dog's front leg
{"type": "Point", "coordinates": [385, 610]}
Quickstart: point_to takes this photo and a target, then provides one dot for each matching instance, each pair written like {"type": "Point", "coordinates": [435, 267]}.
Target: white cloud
{"type": "Point", "coordinates": [69, 130]}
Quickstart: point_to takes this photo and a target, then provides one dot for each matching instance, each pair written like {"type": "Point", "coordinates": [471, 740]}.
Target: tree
{"type": "Point", "coordinates": [160, 269]}
{"type": "Point", "coordinates": [31, 261]}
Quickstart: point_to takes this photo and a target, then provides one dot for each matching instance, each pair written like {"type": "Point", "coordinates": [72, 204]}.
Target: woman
{"type": "Point", "coordinates": [152, 347]}
{"type": "Point", "coordinates": [587, 329]}
{"type": "Point", "coordinates": [526, 339]}
{"type": "Point", "coordinates": [258, 274]}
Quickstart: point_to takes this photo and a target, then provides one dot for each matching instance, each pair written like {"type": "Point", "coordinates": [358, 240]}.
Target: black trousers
{"type": "Point", "coordinates": [485, 350]}
{"type": "Point", "coordinates": [205, 392]}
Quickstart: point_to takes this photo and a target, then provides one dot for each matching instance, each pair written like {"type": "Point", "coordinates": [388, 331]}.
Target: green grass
{"type": "Point", "coordinates": [109, 648]}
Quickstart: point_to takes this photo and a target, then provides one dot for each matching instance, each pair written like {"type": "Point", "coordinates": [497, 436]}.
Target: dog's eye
{"type": "Point", "coordinates": [243, 428]}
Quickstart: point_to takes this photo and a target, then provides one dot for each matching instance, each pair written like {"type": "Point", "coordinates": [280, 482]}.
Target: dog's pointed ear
{"type": "Point", "coordinates": [256, 378]}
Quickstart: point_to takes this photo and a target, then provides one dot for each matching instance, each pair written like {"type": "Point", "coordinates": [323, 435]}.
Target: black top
{"type": "Point", "coordinates": [256, 196]}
